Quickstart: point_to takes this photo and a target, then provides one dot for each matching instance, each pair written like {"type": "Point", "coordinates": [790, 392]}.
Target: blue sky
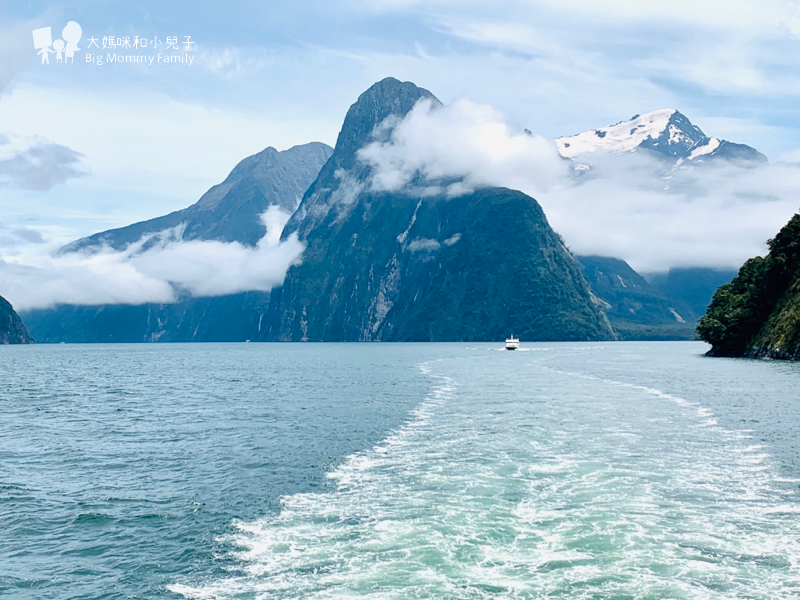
{"type": "Point", "coordinates": [146, 140]}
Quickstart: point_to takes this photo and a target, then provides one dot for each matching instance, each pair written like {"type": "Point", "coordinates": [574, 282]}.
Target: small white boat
{"type": "Point", "coordinates": [512, 343]}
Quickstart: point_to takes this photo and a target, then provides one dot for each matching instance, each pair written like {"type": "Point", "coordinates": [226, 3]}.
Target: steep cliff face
{"type": "Point", "coordinates": [758, 313]}
{"type": "Point", "coordinates": [402, 266]}
{"type": "Point", "coordinates": [12, 330]}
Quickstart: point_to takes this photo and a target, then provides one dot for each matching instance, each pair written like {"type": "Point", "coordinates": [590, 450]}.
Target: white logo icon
{"type": "Point", "coordinates": [43, 39]}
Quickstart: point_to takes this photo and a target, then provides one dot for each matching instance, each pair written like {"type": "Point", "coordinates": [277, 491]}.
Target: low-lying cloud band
{"type": "Point", "coordinates": [159, 269]}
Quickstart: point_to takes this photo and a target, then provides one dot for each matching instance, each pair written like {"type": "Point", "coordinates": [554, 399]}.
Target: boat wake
{"type": "Point", "coordinates": [322, 541]}
{"type": "Point", "coordinates": [525, 484]}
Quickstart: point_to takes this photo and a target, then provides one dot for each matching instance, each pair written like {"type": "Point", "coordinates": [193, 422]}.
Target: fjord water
{"type": "Point", "coordinates": [618, 470]}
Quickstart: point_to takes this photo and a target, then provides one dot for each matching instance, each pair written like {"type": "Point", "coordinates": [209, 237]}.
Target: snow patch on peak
{"type": "Point", "coordinates": [708, 147]}
{"type": "Point", "coordinates": [676, 136]}
{"type": "Point", "coordinates": [622, 137]}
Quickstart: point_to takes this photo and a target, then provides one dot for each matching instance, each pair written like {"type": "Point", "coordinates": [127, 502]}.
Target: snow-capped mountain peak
{"type": "Point", "coordinates": [622, 137]}
{"type": "Point", "coordinates": [665, 131]}
{"type": "Point", "coordinates": [666, 134]}
{"type": "Point", "coordinates": [708, 146]}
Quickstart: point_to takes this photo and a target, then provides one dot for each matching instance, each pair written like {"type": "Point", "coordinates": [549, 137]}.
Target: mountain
{"type": "Point", "coordinates": [643, 309]}
{"type": "Point", "coordinates": [12, 330]}
{"type": "Point", "coordinates": [758, 313]}
{"type": "Point", "coordinates": [693, 286]}
{"type": "Point", "coordinates": [233, 318]}
{"type": "Point", "coordinates": [230, 211]}
{"type": "Point", "coordinates": [636, 309]}
{"type": "Point", "coordinates": [411, 266]}
{"type": "Point", "coordinates": [665, 134]}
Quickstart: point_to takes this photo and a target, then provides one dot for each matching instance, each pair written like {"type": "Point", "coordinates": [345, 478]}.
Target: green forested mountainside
{"type": "Point", "coordinates": [12, 330]}
{"type": "Point", "coordinates": [403, 266]}
{"type": "Point", "coordinates": [478, 267]}
{"type": "Point", "coordinates": [758, 313]}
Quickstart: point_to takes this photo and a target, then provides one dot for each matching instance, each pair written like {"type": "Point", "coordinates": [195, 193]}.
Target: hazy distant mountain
{"type": "Point", "coordinates": [233, 318]}
{"type": "Point", "coordinates": [758, 313]}
{"type": "Point", "coordinates": [637, 309]}
{"type": "Point", "coordinates": [230, 211]}
{"type": "Point", "coordinates": [12, 330]}
{"type": "Point", "coordinates": [666, 134]}
{"type": "Point", "coordinates": [404, 266]}
{"type": "Point", "coordinates": [694, 286]}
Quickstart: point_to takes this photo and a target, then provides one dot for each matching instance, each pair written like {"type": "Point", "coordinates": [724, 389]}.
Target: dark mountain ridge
{"type": "Point", "coordinates": [230, 211]}
{"type": "Point", "coordinates": [693, 286]}
{"type": "Point", "coordinates": [390, 265]}
{"type": "Point", "coordinates": [12, 329]}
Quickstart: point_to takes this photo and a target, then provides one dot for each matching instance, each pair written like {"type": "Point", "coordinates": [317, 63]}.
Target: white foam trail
{"type": "Point", "coordinates": [314, 529]}
{"type": "Point", "coordinates": [523, 490]}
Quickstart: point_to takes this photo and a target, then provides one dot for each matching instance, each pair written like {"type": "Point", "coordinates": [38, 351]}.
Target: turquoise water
{"type": "Point", "coordinates": [621, 470]}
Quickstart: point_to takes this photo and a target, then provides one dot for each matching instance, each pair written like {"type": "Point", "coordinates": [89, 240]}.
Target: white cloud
{"type": "Point", "coordinates": [630, 207]}
{"type": "Point", "coordinates": [155, 269]}
{"type": "Point", "coordinates": [717, 216]}
{"type": "Point", "coordinates": [11, 237]}
{"type": "Point", "coordinates": [466, 141]}
{"type": "Point", "coordinates": [765, 15]}
{"type": "Point", "coordinates": [148, 154]}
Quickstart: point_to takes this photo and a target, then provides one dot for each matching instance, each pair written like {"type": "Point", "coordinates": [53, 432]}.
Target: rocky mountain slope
{"type": "Point", "coordinates": [12, 330]}
{"type": "Point", "coordinates": [230, 211]}
{"type": "Point", "coordinates": [758, 313]}
{"type": "Point", "coordinates": [408, 267]}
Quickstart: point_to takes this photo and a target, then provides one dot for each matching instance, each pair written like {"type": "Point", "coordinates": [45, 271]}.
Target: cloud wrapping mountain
{"type": "Point", "coordinates": [160, 268]}
{"type": "Point", "coordinates": [648, 207]}
{"type": "Point", "coordinates": [459, 148]}
{"type": "Point", "coordinates": [632, 204]}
